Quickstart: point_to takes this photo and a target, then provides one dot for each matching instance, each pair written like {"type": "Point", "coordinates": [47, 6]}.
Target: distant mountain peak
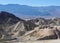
{"type": "Point", "coordinates": [25, 11]}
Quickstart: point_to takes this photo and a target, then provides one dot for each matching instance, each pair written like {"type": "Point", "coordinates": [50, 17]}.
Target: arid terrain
{"type": "Point", "coordinates": [38, 30]}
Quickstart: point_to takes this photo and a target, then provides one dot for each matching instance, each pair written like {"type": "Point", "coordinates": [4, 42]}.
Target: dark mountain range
{"type": "Point", "coordinates": [23, 10]}
{"type": "Point", "coordinates": [6, 17]}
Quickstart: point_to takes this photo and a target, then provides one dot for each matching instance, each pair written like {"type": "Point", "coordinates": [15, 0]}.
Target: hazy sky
{"type": "Point", "coordinates": [32, 2]}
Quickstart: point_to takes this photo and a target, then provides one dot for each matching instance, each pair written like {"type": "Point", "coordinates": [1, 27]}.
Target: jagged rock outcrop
{"type": "Point", "coordinates": [43, 21]}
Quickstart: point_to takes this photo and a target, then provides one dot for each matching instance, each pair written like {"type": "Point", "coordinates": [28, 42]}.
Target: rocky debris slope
{"type": "Point", "coordinates": [47, 29]}
{"type": "Point", "coordinates": [44, 33]}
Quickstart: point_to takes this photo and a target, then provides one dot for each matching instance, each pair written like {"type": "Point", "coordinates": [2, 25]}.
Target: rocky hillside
{"type": "Point", "coordinates": [12, 27]}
